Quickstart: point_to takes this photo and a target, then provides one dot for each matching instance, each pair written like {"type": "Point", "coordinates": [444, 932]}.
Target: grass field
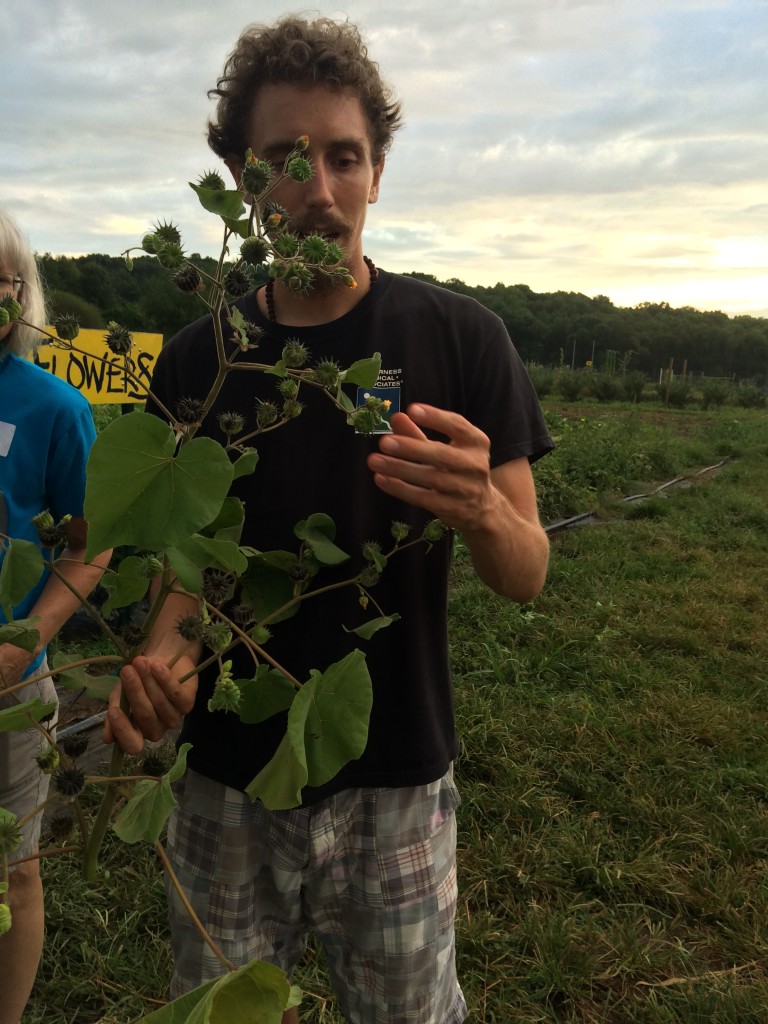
{"type": "Point", "coordinates": [613, 843]}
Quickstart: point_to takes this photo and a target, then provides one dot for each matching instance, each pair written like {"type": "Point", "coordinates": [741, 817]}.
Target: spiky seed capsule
{"type": "Point", "coordinates": [253, 333]}
{"type": "Point", "coordinates": [231, 423]}
{"type": "Point", "coordinates": [277, 270]}
{"type": "Point", "coordinates": [149, 243]}
{"type": "Point", "coordinates": [153, 765]}
{"type": "Point", "coordinates": [299, 169]}
{"type": "Point", "coordinates": [266, 414]}
{"type": "Point", "coordinates": [299, 278]}
{"type": "Point", "coordinates": [168, 233]}
{"type": "Point", "coordinates": [288, 387]}
{"type": "Point", "coordinates": [10, 833]}
{"type": "Point", "coordinates": [217, 586]}
{"type": "Point", "coordinates": [75, 746]}
{"type": "Point", "coordinates": [371, 551]}
{"type": "Point", "coordinates": [69, 780]}
{"type": "Point", "coordinates": [256, 176]}
{"type": "Point", "coordinates": [60, 827]}
{"type": "Point", "coordinates": [188, 280]}
{"type": "Point", "coordinates": [5, 317]}
{"type": "Point", "coordinates": [292, 408]}
{"type": "Point", "coordinates": [66, 326]}
{"type": "Point", "coordinates": [11, 306]}
{"type": "Point", "coordinates": [254, 250]}
{"type": "Point", "coordinates": [364, 420]}
{"type": "Point", "coordinates": [237, 282]}
{"type": "Point", "coordinates": [5, 918]}
{"type": "Point", "coordinates": [286, 245]}
{"type": "Point", "coordinates": [260, 634]}
{"type": "Point", "coordinates": [314, 249]}
{"type": "Point", "coordinates": [369, 577]}
{"type": "Point", "coordinates": [151, 566]}
{"type": "Point", "coordinates": [48, 760]}
{"type": "Point", "coordinates": [333, 254]}
{"type": "Point", "coordinates": [189, 410]}
{"type": "Point", "coordinates": [399, 530]}
{"type": "Point", "coordinates": [212, 180]}
{"type": "Point", "coordinates": [217, 636]}
{"type": "Point", "coordinates": [170, 255]}
{"type": "Point", "coordinates": [50, 534]}
{"type": "Point", "coordinates": [190, 627]}
{"type": "Point", "coordinates": [119, 340]}
{"type": "Point", "coordinates": [434, 530]}
{"type": "Point", "coordinates": [226, 692]}
{"type": "Point", "coordinates": [295, 354]}
{"type": "Point", "coordinates": [242, 614]}
{"type": "Point", "coordinates": [134, 636]}
{"type": "Point", "coordinates": [327, 373]}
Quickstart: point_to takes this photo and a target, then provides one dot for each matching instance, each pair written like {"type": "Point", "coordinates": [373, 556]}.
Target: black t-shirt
{"type": "Point", "coordinates": [438, 348]}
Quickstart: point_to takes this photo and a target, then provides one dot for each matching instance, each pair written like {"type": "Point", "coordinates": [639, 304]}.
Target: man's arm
{"type": "Point", "coordinates": [56, 602]}
{"type": "Point", "coordinates": [495, 509]}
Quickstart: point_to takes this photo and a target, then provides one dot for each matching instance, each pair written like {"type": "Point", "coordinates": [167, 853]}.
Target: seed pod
{"type": "Point", "coordinates": [188, 280]}
{"type": "Point", "coordinates": [75, 746]}
{"type": "Point", "coordinates": [66, 326]}
{"type": "Point", "coordinates": [254, 250]}
{"type": "Point", "coordinates": [237, 282]}
{"type": "Point", "coordinates": [212, 180]}
{"type": "Point", "coordinates": [189, 410]}
{"type": "Point", "coordinates": [118, 339]}
{"type": "Point", "coordinates": [69, 780]}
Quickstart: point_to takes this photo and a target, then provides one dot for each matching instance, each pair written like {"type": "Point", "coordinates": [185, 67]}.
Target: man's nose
{"type": "Point", "coordinates": [318, 188]}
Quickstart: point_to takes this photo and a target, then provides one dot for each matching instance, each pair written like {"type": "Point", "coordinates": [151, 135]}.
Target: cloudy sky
{"type": "Point", "coordinates": [615, 147]}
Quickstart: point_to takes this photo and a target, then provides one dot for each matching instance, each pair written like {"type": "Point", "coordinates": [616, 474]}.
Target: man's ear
{"type": "Point", "coordinates": [373, 194]}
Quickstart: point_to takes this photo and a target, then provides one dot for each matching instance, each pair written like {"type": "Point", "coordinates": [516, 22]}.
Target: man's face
{"type": "Point", "coordinates": [334, 202]}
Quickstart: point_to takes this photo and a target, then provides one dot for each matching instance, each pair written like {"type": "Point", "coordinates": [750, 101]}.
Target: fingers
{"type": "Point", "coordinates": [157, 703]}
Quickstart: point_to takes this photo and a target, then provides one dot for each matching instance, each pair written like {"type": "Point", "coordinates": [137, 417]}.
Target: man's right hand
{"type": "Point", "coordinates": [157, 701]}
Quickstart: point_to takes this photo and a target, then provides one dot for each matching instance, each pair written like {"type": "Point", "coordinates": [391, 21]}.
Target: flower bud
{"type": "Point", "coordinates": [5, 918]}
{"type": "Point", "coordinates": [302, 144]}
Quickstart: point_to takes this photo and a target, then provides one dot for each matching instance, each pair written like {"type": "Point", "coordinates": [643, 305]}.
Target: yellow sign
{"type": "Point", "coordinates": [100, 375]}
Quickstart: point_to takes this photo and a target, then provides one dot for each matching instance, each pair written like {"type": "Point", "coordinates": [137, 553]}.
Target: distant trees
{"type": "Point", "coordinates": [566, 329]}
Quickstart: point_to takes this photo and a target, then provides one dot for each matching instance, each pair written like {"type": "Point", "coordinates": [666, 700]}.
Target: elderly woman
{"type": "Point", "coordinates": [46, 431]}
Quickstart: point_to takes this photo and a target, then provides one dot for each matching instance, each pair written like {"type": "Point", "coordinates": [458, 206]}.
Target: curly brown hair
{"type": "Point", "coordinates": [299, 52]}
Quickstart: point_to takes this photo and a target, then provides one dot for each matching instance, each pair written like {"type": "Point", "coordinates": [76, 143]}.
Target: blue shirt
{"type": "Point", "coordinates": [46, 433]}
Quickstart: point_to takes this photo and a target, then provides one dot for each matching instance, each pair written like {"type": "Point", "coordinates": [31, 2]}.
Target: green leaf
{"type": "Point", "coordinates": [364, 372]}
{"type": "Point", "coordinates": [318, 532]}
{"type": "Point", "coordinates": [327, 728]}
{"type": "Point", "coordinates": [265, 695]}
{"type": "Point", "coordinates": [366, 631]}
{"type": "Point", "coordinates": [266, 588]}
{"type": "Point", "coordinates": [21, 716]}
{"type": "Point", "coordinates": [228, 524]}
{"type": "Point", "coordinates": [239, 227]}
{"type": "Point", "coordinates": [22, 567]}
{"type": "Point", "coordinates": [209, 552]}
{"type": "Point", "coordinates": [258, 993]}
{"type": "Point", "coordinates": [279, 369]}
{"type": "Point", "coordinates": [225, 202]}
{"type": "Point", "coordinates": [128, 585]}
{"type": "Point", "coordinates": [345, 401]}
{"type": "Point", "coordinates": [246, 464]}
{"type": "Point", "coordinates": [144, 816]}
{"type": "Point", "coordinates": [96, 687]}
{"type": "Point", "coordinates": [21, 633]}
{"type": "Point", "coordinates": [139, 493]}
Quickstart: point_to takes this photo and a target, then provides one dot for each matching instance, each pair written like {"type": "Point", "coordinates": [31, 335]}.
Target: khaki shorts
{"type": "Point", "coordinates": [22, 785]}
{"type": "Point", "coordinates": [371, 872]}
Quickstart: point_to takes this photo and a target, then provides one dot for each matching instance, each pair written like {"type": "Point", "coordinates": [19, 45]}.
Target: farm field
{"type": "Point", "coordinates": [613, 834]}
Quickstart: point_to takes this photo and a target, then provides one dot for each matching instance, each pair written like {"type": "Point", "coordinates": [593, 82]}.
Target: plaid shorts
{"type": "Point", "coordinates": [371, 872]}
{"type": "Point", "coordinates": [22, 785]}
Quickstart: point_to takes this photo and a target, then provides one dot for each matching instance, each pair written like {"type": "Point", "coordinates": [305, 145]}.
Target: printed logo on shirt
{"type": "Point", "coordinates": [388, 387]}
{"type": "Point", "coordinates": [7, 430]}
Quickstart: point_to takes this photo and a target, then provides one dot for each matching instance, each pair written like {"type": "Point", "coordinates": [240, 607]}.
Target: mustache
{"type": "Point", "coordinates": [310, 226]}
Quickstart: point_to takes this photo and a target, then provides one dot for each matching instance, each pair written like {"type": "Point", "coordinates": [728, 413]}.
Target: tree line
{"type": "Point", "coordinates": [549, 328]}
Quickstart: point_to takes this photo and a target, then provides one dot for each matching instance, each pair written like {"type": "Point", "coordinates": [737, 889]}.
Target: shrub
{"type": "Point", "coordinates": [571, 384]}
{"type": "Point", "coordinates": [542, 378]}
{"type": "Point", "coordinates": [714, 391]}
{"type": "Point", "coordinates": [675, 393]}
{"type": "Point", "coordinates": [606, 387]}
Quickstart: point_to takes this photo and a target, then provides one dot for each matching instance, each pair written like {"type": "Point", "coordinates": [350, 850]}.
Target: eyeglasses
{"type": "Point", "coordinates": [9, 283]}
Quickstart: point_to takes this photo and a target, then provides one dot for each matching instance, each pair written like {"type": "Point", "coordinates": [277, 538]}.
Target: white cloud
{"type": "Point", "coordinates": [604, 146]}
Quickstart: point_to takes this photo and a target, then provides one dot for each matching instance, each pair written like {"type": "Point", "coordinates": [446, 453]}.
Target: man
{"type": "Point", "coordinates": [368, 862]}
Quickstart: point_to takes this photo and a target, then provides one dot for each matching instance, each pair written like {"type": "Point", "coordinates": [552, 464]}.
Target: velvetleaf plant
{"type": "Point", "coordinates": [161, 491]}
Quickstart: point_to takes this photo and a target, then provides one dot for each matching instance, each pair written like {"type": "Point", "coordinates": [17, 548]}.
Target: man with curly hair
{"type": "Point", "coordinates": [368, 861]}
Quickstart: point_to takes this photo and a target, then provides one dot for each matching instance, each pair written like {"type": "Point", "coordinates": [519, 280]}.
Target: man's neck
{"type": "Point", "coordinates": [308, 310]}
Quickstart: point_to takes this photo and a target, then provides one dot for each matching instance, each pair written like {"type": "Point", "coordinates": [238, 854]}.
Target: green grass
{"type": "Point", "coordinates": [613, 834]}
